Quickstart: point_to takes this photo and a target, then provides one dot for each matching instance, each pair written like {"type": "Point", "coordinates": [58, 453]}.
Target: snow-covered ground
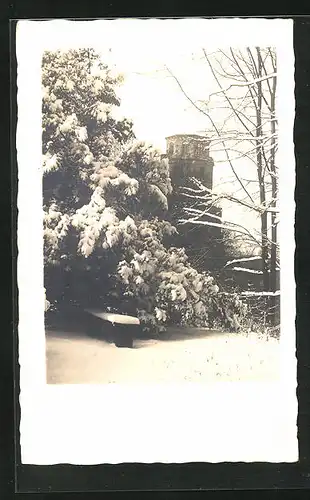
{"type": "Point", "coordinates": [202, 357]}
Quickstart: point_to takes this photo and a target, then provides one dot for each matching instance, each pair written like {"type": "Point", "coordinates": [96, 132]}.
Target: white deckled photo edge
{"type": "Point", "coordinates": [210, 393]}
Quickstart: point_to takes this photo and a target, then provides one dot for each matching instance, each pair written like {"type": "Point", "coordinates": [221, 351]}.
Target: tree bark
{"type": "Point", "coordinates": [274, 194]}
{"type": "Point", "coordinates": [260, 174]}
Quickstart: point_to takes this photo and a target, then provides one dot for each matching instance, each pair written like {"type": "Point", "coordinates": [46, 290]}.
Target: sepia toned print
{"type": "Point", "coordinates": [170, 252]}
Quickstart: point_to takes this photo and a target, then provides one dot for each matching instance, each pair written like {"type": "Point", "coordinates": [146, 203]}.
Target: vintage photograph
{"type": "Point", "coordinates": [156, 237]}
{"type": "Point", "coordinates": [160, 200]}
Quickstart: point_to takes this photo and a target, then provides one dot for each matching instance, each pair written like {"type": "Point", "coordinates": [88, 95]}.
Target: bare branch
{"type": "Point", "coordinates": [225, 95]}
{"type": "Point", "coordinates": [202, 193]}
{"type": "Point", "coordinates": [236, 228]}
{"type": "Point", "coordinates": [260, 294]}
{"type": "Point", "coordinates": [250, 83]}
{"type": "Point", "coordinates": [246, 259]}
{"type": "Point", "coordinates": [215, 128]}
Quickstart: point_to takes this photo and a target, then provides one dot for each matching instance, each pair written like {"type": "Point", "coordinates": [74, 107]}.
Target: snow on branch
{"type": "Point", "coordinates": [250, 83]}
{"type": "Point", "coordinates": [240, 137]}
{"type": "Point", "coordinates": [246, 270]}
{"type": "Point", "coordinates": [202, 193]}
{"type": "Point", "coordinates": [260, 294]}
{"type": "Point", "coordinates": [222, 224]}
{"type": "Point", "coordinates": [244, 259]}
{"type": "Point", "coordinates": [228, 226]}
{"type": "Point", "coordinates": [199, 213]}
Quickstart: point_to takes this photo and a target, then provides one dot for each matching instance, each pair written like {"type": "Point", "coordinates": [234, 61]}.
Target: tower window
{"type": "Point", "coordinates": [195, 149]}
{"type": "Point", "coordinates": [171, 149]}
{"type": "Point", "coordinates": [184, 150]}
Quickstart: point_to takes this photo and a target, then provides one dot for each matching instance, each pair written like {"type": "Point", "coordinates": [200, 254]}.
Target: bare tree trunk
{"type": "Point", "coordinates": [274, 194]}
{"type": "Point", "coordinates": [262, 192]}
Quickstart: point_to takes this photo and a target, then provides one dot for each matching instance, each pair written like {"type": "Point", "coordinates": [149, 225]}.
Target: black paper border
{"type": "Point", "coordinates": [137, 477]}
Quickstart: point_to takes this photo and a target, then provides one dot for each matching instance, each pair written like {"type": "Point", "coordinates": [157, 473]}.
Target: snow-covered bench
{"type": "Point", "coordinates": [124, 327]}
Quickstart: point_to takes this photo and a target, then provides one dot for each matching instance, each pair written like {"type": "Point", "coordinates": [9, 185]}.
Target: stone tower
{"type": "Point", "coordinates": [189, 156]}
